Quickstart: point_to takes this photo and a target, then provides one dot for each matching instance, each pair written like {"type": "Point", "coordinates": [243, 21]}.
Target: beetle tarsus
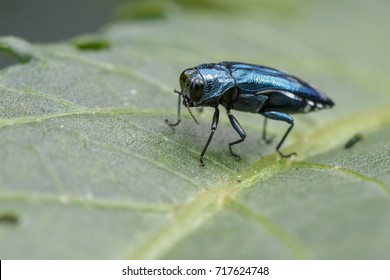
{"type": "Point", "coordinates": [237, 157]}
{"type": "Point", "coordinates": [269, 140]}
{"type": "Point", "coordinates": [287, 156]}
{"type": "Point", "coordinates": [171, 124]}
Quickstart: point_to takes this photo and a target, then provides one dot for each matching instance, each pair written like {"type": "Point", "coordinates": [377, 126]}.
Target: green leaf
{"type": "Point", "coordinates": [90, 169]}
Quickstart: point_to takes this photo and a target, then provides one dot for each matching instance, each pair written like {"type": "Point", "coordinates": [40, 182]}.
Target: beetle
{"type": "Point", "coordinates": [248, 88]}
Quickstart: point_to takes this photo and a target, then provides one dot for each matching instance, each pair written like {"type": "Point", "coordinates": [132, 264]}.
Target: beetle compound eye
{"type": "Point", "coordinates": [196, 89]}
{"type": "Point", "coordinates": [183, 78]}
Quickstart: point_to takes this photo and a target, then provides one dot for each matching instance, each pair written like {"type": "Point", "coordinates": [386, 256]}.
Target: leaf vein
{"type": "Point", "coordinates": [34, 92]}
{"type": "Point", "coordinates": [382, 185]}
{"type": "Point", "coordinates": [87, 202]}
{"type": "Point", "coordinates": [295, 246]}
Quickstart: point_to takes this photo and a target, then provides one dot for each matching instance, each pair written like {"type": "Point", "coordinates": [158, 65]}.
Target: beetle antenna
{"type": "Point", "coordinates": [189, 110]}
{"type": "Point", "coordinates": [179, 92]}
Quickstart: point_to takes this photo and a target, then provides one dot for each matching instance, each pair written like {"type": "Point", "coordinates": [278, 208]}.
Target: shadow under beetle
{"type": "Point", "coordinates": [248, 88]}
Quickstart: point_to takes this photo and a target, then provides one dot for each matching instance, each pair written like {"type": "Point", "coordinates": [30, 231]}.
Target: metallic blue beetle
{"type": "Point", "coordinates": [248, 88]}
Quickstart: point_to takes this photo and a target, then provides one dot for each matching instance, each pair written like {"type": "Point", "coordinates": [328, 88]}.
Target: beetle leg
{"type": "Point", "coordinates": [278, 116]}
{"type": "Point", "coordinates": [265, 138]}
{"type": "Point", "coordinates": [178, 115]}
{"type": "Point", "coordinates": [213, 129]}
{"type": "Point", "coordinates": [237, 127]}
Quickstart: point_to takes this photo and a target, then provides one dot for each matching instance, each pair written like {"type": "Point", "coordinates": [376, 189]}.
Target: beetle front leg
{"type": "Point", "coordinates": [213, 129]}
{"type": "Point", "coordinates": [237, 127]}
{"type": "Point", "coordinates": [178, 115]}
{"type": "Point", "coordinates": [278, 116]}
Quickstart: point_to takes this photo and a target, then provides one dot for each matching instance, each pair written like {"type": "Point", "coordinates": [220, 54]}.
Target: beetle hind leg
{"type": "Point", "coordinates": [278, 116]}
{"type": "Point", "coordinates": [237, 127]}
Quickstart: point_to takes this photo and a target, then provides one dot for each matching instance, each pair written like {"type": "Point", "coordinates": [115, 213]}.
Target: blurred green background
{"type": "Point", "coordinates": [53, 20]}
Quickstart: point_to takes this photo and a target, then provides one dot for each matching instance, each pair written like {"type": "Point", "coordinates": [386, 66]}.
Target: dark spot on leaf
{"type": "Point", "coordinates": [351, 142]}
{"type": "Point", "coordinates": [91, 43]}
{"type": "Point", "coordinates": [8, 218]}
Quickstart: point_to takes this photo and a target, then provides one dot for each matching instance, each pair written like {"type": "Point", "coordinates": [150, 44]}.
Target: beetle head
{"type": "Point", "coordinates": [192, 86]}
